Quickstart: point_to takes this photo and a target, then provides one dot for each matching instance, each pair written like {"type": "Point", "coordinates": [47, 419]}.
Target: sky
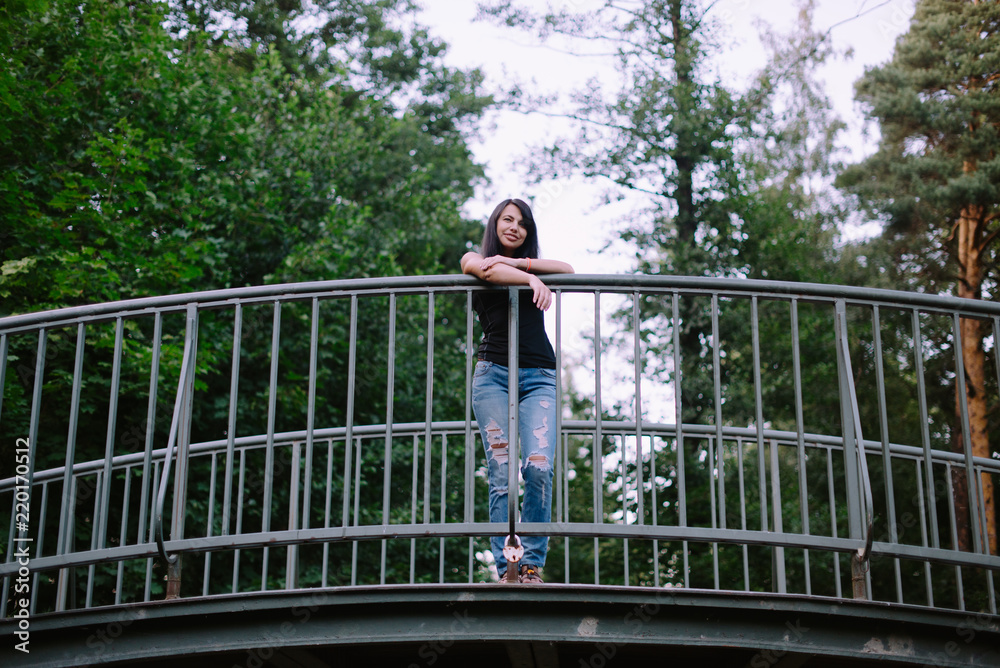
{"type": "Point", "coordinates": [571, 224]}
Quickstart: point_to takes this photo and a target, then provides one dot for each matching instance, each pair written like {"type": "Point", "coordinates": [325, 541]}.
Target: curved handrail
{"type": "Point", "coordinates": [161, 495]}
{"type": "Point", "coordinates": [609, 282]}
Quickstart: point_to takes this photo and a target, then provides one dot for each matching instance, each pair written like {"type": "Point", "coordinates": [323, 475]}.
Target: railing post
{"type": "Point", "coordinates": [513, 549]}
{"type": "Point", "coordinates": [855, 467]}
{"type": "Point", "coordinates": [183, 448]}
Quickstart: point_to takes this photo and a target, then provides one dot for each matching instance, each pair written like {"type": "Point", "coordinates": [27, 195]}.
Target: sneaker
{"type": "Point", "coordinates": [529, 575]}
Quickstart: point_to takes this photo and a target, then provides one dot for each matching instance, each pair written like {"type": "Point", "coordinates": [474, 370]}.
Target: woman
{"type": "Point", "coordinates": [510, 257]}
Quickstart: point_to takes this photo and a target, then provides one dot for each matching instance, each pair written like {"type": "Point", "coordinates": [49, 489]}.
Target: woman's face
{"type": "Point", "coordinates": [510, 231]}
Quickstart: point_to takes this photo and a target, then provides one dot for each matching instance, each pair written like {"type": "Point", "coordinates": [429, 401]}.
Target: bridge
{"type": "Point", "coordinates": [752, 473]}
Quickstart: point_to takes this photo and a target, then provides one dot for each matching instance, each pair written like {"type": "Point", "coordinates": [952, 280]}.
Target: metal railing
{"type": "Point", "coordinates": [349, 450]}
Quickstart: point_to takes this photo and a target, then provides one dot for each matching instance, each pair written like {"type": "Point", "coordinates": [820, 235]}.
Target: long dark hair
{"type": "Point", "coordinates": [491, 242]}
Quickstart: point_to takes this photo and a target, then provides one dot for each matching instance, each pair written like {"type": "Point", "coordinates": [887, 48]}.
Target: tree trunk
{"type": "Point", "coordinates": [970, 238]}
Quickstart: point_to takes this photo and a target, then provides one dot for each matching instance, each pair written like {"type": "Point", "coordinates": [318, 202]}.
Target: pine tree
{"type": "Point", "coordinates": [935, 179]}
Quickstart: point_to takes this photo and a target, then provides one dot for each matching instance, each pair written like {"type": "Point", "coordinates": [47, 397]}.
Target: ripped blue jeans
{"type": "Point", "coordinates": [537, 430]}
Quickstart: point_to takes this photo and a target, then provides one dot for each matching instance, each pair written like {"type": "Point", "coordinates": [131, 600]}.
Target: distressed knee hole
{"type": "Point", "coordinates": [497, 442]}
{"type": "Point", "coordinates": [540, 461]}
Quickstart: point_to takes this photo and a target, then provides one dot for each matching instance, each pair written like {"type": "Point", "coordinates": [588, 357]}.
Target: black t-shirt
{"type": "Point", "coordinates": [535, 351]}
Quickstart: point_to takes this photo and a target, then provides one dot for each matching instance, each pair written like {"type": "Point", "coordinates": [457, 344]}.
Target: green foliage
{"type": "Point", "coordinates": [153, 148]}
{"type": "Point", "coordinates": [938, 111]}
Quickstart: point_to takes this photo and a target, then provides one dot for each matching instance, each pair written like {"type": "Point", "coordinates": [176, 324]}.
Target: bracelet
{"type": "Point", "coordinates": [529, 265]}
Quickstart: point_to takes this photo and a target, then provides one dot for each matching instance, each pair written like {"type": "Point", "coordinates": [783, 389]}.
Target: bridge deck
{"type": "Point", "coordinates": [506, 625]}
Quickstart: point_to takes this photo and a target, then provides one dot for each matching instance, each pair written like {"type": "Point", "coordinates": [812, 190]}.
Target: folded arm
{"type": "Point", "coordinates": [514, 271]}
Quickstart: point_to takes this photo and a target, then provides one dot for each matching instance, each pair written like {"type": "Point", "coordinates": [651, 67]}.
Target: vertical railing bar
{"type": "Point", "coordinates": [928, 581]}
{"type": "Point", "coordinates": [959, 586]}
{"type": "Point", "coordinates": [444, 501]}
{"type": "Point", "coordinates": [304, 521]}
{"type": "Point", "coordinates": [679, 426]}
{"type": "Point", "coordinates": [71, 543]}
{"type": "Point", "coordinates": [717, 460]}
{"type": "Point", "coordinates": [598, 455]}
{"type": "Point", "coordinates": [234, 385]}
{"type": "Point", "coordinates": [110, 442]}
{"type": "Point", "coordinates": [145, 501]}
{"type": "Point", "coordinates": [890, 499]}
{"type": "Point", "coordinates": [183, 411]}
{"type": "Point", "coordinates": [292, 551]}
{"type": "Point", "coordinates": [562, 456]}
{"type": "Point", "coordinates": [743, 512]}
{"type": "Point", "coordinates": [759, 416]}
{"type": "Point", "coordinates": [990, 592]}
{"type": "Point", "coordinates": [390, 395]}
{"type": "Point", "coordinates": [972, 483]}
{"type": "Point", "coordinates": [513, 412]}
{"type": "Point", "coordinates": [357, 511]}
{"type": "Point", "coordinates": [65, 515]}
{"type": "Point", "coordinates": [93, 541]}
{"type": "Point", "coordinates": [40, 546]}
{"type": "Point", "coordinates": [720, 461]}
{"type": "Point", "coordinates": [654, 508]}
{"type": "Point", "coordinates": [209, 524]}
{"type": "Point", "coordinates": [565, 515]}
{"type": "Point", "coordinates": [800, 438]}
{"type": "Point", "coordinates": [428, 407]}
{"type": "Point", "coordinates": [328, 498]}
{"type": "Point", "coordinates": [272, 408]}
{"type": "Point", "coordinates": [239, 516]}
{"type": "Point", "coordinates": [468, 510]}
{"type": "Point", "coordinates": [832, 499]}
{"type": "Point", "coordinates": [624, 474]}
{"type": "Point", "coordinates": [557, 464]}
{"type": "Point", "coordinates": [859, 494]}
{"type": "Point", "coordinates": [918, 360]}
{"type": "Point", "coordinates": [779, 552]}
{"type": "Point", "coordinates": [123, 532]}
{"type": "Point", "coordinates": [637, 341]}
{"type": "Point", "coordinates": [154, 487]}
{"type": "Point", "coordinates": [413, 505]}
{"type": "Point", "coordinates": [352, 363]}
{"type": "Point", "coordinates": [713, 492]}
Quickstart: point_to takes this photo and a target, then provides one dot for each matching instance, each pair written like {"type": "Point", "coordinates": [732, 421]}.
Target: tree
{"type": "Point", "coordinates": [665, 131]}
{"type": "Point", "coordinates": [147, 151]}
{"type": "Point", "coordinates": [935, 178]}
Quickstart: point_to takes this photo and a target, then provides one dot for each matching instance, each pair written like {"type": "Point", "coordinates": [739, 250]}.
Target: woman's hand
{"type": "Point", "coordinates": [496, 259]}
{"type": "Point", "coordinates": [542, 296]}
